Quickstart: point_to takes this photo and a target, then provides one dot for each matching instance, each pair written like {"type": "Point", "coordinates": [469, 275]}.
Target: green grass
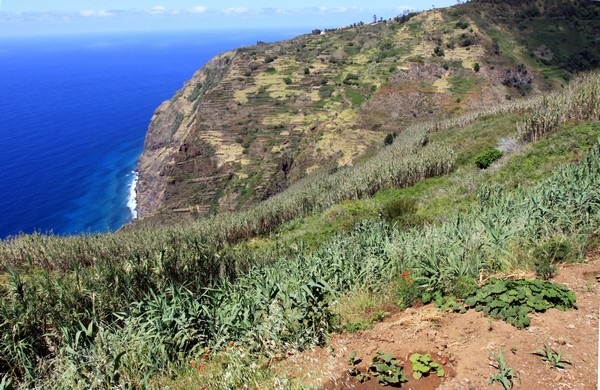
{"type": "Point", "coordinates": [566, 145]}
{"type": "Point", "coordinates": [357, 96]}
{"type": "Point", "coordinates": [441, 197]}
{"type": "Point", "coordinates": [461, 85]}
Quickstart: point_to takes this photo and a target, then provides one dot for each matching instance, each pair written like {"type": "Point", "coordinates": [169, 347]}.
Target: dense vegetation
{"type": "Point", "coordinates": [415, 219]}
{"type": "Point", "coordinates": [99, 311]}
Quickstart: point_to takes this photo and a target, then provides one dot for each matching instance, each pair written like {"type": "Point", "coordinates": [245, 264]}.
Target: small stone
{"type": "Point", "coordinates": [571, 326]}
{"type": "Point", "coordinates": [569, 345]}
{"type": "Point", "coordinates": [467, 380]}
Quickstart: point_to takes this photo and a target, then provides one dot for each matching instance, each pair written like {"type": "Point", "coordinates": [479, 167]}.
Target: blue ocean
{"type": "Point", "coordinates": [74, 111]}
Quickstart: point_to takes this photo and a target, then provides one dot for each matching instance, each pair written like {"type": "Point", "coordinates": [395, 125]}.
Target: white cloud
{"type": "Point", "coordinates": [88, 13]}
{"type": "Point", "coordinates": [335, 10]}
{"type": "Point", "coordinates": [159, 9]}
{"type": "Point", "coordinates": [237, 10]}
{"type": "Point", "coordinates": [199, 9]}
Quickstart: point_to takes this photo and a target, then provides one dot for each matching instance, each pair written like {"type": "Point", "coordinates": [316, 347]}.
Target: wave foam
{"type": "Point", "coordinates": [132, 200]}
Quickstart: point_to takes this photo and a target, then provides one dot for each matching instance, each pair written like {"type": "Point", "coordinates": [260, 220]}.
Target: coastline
{"type": "Point", "coordinates": [132, 198]}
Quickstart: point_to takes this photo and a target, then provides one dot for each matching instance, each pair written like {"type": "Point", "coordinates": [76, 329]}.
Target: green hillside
{"type": "Point", "coordinates": [450, 200]}
{"type": "Point", "coordinates": [258, 119]}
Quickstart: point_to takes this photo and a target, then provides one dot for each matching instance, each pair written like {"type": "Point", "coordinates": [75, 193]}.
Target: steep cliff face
{"type": "Point", "coordinates": [169, 130]}
{"type": "Point", "coordinates": [254, 120]}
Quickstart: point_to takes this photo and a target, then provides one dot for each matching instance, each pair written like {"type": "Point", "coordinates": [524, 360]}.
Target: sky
{"type": "Point", "coordinates": [43, 17]}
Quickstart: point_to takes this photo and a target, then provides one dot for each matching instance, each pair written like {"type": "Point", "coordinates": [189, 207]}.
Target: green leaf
{"type": "Point", "coordinates": [498, 288]}
{"type": "Point", "coordinates": [381, 367]}
{"type": "Point", "coordinates": [386, 357]}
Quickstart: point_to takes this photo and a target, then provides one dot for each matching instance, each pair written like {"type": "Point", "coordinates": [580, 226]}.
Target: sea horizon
{"type": "Point", "coordinates": [75, 112]}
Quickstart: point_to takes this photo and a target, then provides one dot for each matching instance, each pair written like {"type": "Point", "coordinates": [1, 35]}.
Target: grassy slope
{"type": "Point", "coordinates": [439, 198]}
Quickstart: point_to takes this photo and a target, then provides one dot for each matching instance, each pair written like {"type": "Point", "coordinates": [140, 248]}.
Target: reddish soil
{"type": "Point", "coordinates": [467, 340]}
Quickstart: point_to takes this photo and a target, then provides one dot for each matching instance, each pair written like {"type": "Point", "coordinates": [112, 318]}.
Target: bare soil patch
{"type": "Point", "coordinates": [465, 341]}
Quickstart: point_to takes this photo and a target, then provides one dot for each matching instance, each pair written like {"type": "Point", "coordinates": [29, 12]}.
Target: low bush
{"type": "Point", "coordinates": [402, 212]}
{"type": "Point", "coordinates": [549, 254]}
{"type": "Point", "coordinates": [487, 158]}
{"type": "Point", "coordinates": [389, 139]}
{"type": "Point", "coordinates": [513, 300]}
{"type": "Point", "coordinates": [407, 291]}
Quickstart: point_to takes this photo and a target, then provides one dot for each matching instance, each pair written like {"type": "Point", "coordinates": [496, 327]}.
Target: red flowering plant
{"type": "Point", "coordinates": [407, 291]}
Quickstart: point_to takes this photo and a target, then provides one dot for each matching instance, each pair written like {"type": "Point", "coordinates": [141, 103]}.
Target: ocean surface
{"type": "Point", "coordinates": [74, 111]}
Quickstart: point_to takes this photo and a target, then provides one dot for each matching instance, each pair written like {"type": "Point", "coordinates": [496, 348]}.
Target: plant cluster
{"type": "Point", "coordinates": [580, 101]}
{"type": "Point", "coordinates": [422, 365]}
{"type": "Point", "coordinates": [487, 158]}
{"type": "Point", "coordinates": [555, 358]}
{"type": "Point", "coordinates": [548, 255]}
{"type": "Point", "coordinates": [354, 371]}
{"type": "Point", "coordinates": [513, 300]}
{"type": "Point", "coordinates": [384, 367]}
{"type": "Point", "coordinates": [505, 375]}
{"type": "Point", "coordinates": [387, 369]}
{"type": "Point", "coordinates": [354, 327]}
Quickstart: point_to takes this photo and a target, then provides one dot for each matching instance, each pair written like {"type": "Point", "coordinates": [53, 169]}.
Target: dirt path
{"type": "Point", "coordinates": [465, 341]}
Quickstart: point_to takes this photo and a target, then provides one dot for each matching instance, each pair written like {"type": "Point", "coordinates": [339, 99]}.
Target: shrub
{"type": "Point", "coordinates": [326, 91]}
{"type": "Point", "coordinates": [407, 291]}
{"type": "Point", "coordinates": [396, 208]}
{"type": "Point", "coordinates": [476, 67]}
{"type": "Point", "coordinates": [287, 80]}
{"type": "Point", "coordinates": [544, 269]}
{"type": "Point", "coordinates": [389, 139]}
{"type": "Point", "coordinates": [548, 255]}
{"type": "Point", "coordinates": [351, 79]}
{"type": "Point", "coordinates": [464, 286]}
{"type": "Point", "coordinates": [513, 300]}
{"type": "Point", "coordinates": [487, 158]}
